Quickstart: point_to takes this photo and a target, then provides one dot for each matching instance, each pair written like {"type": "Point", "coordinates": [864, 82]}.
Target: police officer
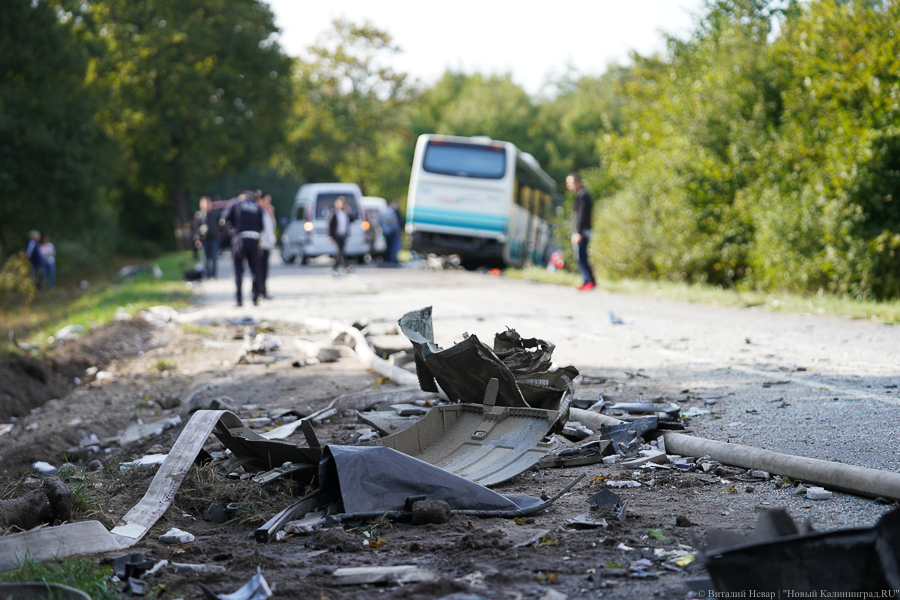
{"type": "Point", "coordinates": [245, 216]}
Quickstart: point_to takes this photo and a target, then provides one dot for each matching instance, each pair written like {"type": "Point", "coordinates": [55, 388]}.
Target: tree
{"type": "Point", "coordinates": [349, 117]}
{"type": "Point", "coordinates": [196, 88]}
{"type": "Point", "coordinates": [54, 156]}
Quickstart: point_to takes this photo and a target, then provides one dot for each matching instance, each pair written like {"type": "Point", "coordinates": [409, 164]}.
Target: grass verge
{"type": "Point", "coordinates": [821, 304]}
{"type": "Point", "coordinates": [83, 574]}
{"type": "Point", "coordinates": [97, 304]}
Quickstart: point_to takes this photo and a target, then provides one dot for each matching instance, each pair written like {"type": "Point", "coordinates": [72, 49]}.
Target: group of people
{"type": "Point", "coordinates": [41, 254]}
{"type": "Point", "coordinates": [250, 217]}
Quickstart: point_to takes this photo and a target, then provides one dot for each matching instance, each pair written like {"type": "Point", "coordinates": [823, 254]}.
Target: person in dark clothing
{"type": "Point", "coordinates": [33, 252]}
{"type": "Point", "coordinates": [392, 230]}
{"type": "Point", "coordinates": [245, 216]}
{"type": "Point", "coordinates": [206, 224]}
{"type": "Point", "coordinates": [582, 214]}
{"type": "Point", "coordinates": [338, 230]}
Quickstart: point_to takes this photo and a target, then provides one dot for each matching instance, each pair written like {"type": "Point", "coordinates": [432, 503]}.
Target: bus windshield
{"type": "Point", "coordinates": [465, 160]}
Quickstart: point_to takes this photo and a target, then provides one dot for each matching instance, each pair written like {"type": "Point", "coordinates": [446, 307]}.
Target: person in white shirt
{"type": "Point", "coordinates": [267, 240]}
{"type": "Point", "coordinates": [48, 261]}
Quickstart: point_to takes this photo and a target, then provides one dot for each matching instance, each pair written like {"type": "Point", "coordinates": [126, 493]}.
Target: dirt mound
{"type": "Point", "coordinates": [118, 339]}
{"type": "Point", "coordinates": [27, 383]}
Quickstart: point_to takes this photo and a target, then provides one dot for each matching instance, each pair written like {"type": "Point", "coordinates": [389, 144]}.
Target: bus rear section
{"type": "Point", "coordinates": [459, 198]}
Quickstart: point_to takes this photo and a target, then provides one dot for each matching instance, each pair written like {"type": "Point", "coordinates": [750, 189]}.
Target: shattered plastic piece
{"type": "Point", "coordinates": [464, 370]}
{"type": "Point", "coordinates": [643, 407]}
{"type": "Point", "coordinates": [176, 536]}
{"type": "Point", "coordinates": [144, 461]}
{"type": "Point", "coordinates": [255, 589]}
{"type": "Point", "coordinates": [44, 468]}
{"type": "Point", "coordinates": [587, 521]}
{"type": "Point", "coordinates": [306, 525]}
{"type": "Point", "coordinates": [137, 430]}
{"type": "Point", "coordinates": [374, 479]}
{"type": "Point", "coordinates": [366, 435]}
{"type": "Point", "coordinates": [576, 431]}
{"type": "Point", "coordinates": [694, 412]}
{"type": "Point", "coordinates": [481, 442]}
{"type": "Point", "coordinates": [616, 320]}
{"type": "Point", "coordinates": [384, 575]}
{"type": "Point", "coordinates": [607, 500]}
{"type": "Point", "coordinates": [624, 484]}
{"type": "Point", "coordinates": [817, 493]}
{"type": "Point", "coordinates": [624, 548]}
{"type": "Point", "coordinates": [781, 555]}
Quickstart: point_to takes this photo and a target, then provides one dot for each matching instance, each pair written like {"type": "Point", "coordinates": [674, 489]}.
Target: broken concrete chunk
{"type": "Point", "coordinates": [176, 536]}
{"type": "Point", "coordinates": [759, 474]}
{"type": "Point", "coordinates": [817, 493]}
{"type": "Point", "coordinates": [44, 468]}
{"type": "Point", "coordinates": [624, 484]}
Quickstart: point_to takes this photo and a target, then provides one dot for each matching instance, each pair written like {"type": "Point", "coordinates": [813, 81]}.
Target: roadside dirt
{"type": "Point", "coordinates": [151, 371]}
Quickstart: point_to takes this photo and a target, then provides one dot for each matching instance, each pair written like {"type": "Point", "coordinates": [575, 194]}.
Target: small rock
{"type": "Point", "coordinates": [430, 511]}
{"type": "Point", "coordinates": [750, 489]}
{"type": "Point", "coordinates": [95, 465]}
{"type": "Point", "coordinates": [683, 521]}
{"type": "Point", "coordinates": [759, 474]}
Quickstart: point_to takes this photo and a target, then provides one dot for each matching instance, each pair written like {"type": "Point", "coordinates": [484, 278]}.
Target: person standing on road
{"type": "Point", "coordinates": [582, 214]}
{"type": "Point", "coordinates": [33, 252]}
{"type": "Point", "coordinates": [48, 262]}
{"type": "Point", "coordinates": [338, 229]}
{"type": "Point", "coordinates": [267, 241]}
{"type": "Point", "coordinates": [390, 227]}
{"type": "Point", "coordinates": [207, 225]}
{"type": "Point", "coordinates": [246, 217]}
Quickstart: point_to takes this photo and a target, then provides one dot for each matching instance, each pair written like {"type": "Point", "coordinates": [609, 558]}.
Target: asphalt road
{"type": "Point", "coordinates": [812, 385]}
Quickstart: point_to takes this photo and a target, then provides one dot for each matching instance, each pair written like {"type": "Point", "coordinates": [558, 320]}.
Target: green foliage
{"type": "Point", "coordinates": [54, 155]}
{"type": "Point", "coordinates": [16, 285]}
{"type": "Point", "coordinates": [83, 574]}
{"type": "Point", "coordinates": [754, 161]}
{"type": "Point", "coordinates": [195, 88]}
{"type": "Point", "coordinates": [349, 113]}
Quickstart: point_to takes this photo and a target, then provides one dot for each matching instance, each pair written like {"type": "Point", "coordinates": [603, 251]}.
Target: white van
{"type": "Point", "coordinates": [375, 207]}
{"type": "Point", "coordinates": [306, 236]}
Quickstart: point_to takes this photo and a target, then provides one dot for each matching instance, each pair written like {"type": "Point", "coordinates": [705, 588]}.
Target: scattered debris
{"type": "Point", "coordinates": [817, 493]}
{"type": "Point", "coordinates": [783, 555]}
{"type": "Point", "coordinates": [255, 589]}
{"type": "Point", "coordinates": [176, 536]}
{"type": "Point", "coordinates": [382, 575]}
{"type": "Point", "coordinates": [462, 438]}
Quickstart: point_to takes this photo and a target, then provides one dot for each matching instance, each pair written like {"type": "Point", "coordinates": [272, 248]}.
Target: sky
{"type": "Point", "coordinates": [534, 44]}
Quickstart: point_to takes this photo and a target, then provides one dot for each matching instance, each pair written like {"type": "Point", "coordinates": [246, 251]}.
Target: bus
{"type": "Point", "coordinates": [483, 200]}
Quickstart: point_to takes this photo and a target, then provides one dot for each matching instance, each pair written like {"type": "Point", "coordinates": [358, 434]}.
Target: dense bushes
{"type": "Point", "coordinates": [755, 161]}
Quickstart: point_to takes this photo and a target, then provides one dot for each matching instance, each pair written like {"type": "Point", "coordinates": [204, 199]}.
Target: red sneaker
{"type": "Point", "coordinates": [587, 287]}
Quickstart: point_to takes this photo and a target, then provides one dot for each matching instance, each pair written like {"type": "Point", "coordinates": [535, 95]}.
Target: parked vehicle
{"type": "Point", "coordinates": [375, 207]}
{"type": "Point", "coordinates": [306, 236]}
{"type": "Point", "coordinates": [483, 200]}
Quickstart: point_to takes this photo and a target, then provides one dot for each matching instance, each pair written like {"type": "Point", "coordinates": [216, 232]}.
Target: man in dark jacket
{"type": "Point", "coordinates": [246, 217]}
{"type": "Point", "coordinates": [582, 214]}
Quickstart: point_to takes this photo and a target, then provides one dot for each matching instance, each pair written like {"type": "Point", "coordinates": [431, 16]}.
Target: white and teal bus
{"type": "Point", "coordinates": [483, 200]}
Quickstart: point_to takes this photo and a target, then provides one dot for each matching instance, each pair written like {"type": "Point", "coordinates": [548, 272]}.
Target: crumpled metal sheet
{"type": "Point", "coordinates": [481, 442]}
{"type": "Point", "coordinates": [369, 479]}
{"type": "Point", "coordinates": [464, 370]}
{"type": "Point", "coordinates": [782, 555]}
